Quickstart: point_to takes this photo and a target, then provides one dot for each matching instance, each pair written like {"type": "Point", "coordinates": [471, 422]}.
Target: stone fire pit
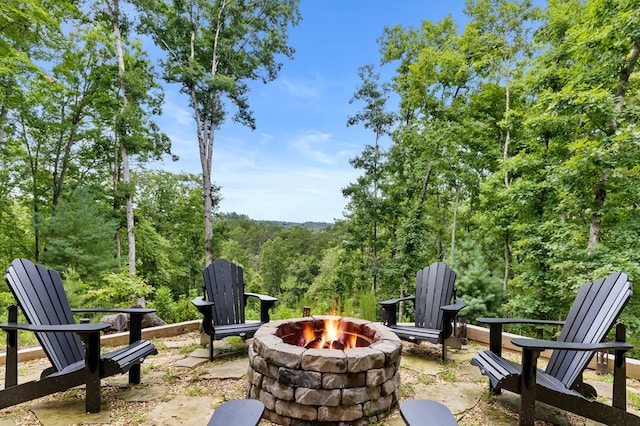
{"type": "Point", "coordinates": [301, 386]}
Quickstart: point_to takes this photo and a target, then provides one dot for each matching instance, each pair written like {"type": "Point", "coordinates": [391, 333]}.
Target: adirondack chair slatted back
{"type": "Point", "coordinates": [40, 294]}
{"type": "Point", "coordinates": [434, 288]}
{"type": "Point", "coordinates": [224, 286]}
{"type": "Point", "coordinates": [592, 315]}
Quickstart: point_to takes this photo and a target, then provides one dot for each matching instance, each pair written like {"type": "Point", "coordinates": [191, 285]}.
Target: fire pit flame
{"type": "Point", "coordinates": [332, 336]}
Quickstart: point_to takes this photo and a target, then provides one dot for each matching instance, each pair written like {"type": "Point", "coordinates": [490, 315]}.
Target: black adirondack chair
{"type": "Point", "coordinates": [73, 349]}
{"type": "Point", "coordinates": [224, 303]}
{"type": "Point", "coordinates": [591, 317]}
{"type": "Point", "coordinates": [426, 412]}
{"type": "Point", "coordinates": [435, 306]}
{"type": "Point", "coordinates": [238, 412]}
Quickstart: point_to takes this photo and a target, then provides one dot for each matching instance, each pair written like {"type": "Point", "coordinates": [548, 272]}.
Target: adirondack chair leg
{"type": "Point", "coordinates": [11, 365]}
{"type": "Point", "coordinates": [495, 339]}
{"type": "Point", "coordinates": [528, 387]}
{"type": "Point", "coordinates": [389, 315]}
{"type": "Point", "coordinates": [92, 366]}
{"type": "Point", "coordinates": [444, 351]}
{"type": "Point", "coordinates": [619, 398]}
{"type": "Point", "coordinates": [211, 339]}
{"type": "Point", "coordinates": [265, 306]}
{"type": "Point", "coordinates": [135, 334]}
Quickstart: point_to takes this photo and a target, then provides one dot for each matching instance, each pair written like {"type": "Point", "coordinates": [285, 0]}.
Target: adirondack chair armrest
{"type": "Point", "coordinates": [389, 309]}
{"type": "Point", "coordinates": [201, 304]}
{"type": "Point", "coordinates": [495, 329]}
{"type": "Point", "coordinates": [450, 313]}
{"type": "Point", "coordinates": [66, 328]}
{"type": "Point", "coordinates": [518, 321]}
{"type": "Point", "coordinates": [454, 307]}
{"type": "Point", "coordinates": [398, 300]}
{"type": "Point", "coordinates": [205, 307]}
{"type": "Point", "coordinates": [266, 302]}
{"type": "Point", "coordinates": [142, 311]}
{"type": "Point", "coordinates": [531, 349]}
{"type": "Point", "coordinates": [262, 297]}
{"type": "Point", "coordinates": [135, 318]}
{"type": "Point", "coordinates": [541, 345]}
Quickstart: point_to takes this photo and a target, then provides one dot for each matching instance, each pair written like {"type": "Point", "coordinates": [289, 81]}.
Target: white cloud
{"type": "Point", "coordinates": [313, 146]}
{"type": "Point", "coordinates": [299, 90]}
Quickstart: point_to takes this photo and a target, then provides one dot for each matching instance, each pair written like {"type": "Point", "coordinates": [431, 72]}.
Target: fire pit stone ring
{"type": "Point", "coordinates": [349, 379]}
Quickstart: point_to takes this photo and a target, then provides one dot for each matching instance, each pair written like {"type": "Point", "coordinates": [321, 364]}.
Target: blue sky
{"type": "Point", "coordinates": [294, 165]}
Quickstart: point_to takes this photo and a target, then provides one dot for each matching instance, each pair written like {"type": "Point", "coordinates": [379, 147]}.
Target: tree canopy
{"type": "Point", "coordinates": [507, 147]}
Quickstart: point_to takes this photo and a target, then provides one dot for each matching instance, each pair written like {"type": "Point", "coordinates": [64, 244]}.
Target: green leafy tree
{"type": "Point", "coordinates": [55, 127]}
{"type": "Point", "coordinates": [80, 237]}
{"type": "Point", "coordinates": [272, 266]}
{"type": "Point", "coordinates": [213, 49]}
{"type": "Point", "coordinates": [428, 165]}
{"type": "Point", "coordinates": [476, 284]}
{"type": "Point", "coordinates": [366, 204]}
{"type": "Point", "coordinates": [31, 30]}
{"type": "Point", "coordinates": [139, 98]}
{"type": "Point", "coordinates": [169, 203]}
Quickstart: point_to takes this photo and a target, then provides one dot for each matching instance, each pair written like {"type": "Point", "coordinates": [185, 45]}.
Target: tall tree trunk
{"type": "Point", "coordinates": [205, 129]}
{"type": "Point", "coordinates": [507, 138]}
{"type": "Point", "coordinates": [374, 285]}
{"type": "Point", "coordinates": [128, 200]}
{"type": "Point", "coordinates": [507, 257]}
{"type": "Point", "coordinates": [454, 224]}
{"type": "Point", "coordinates": [116, 206]}
{"type": "Point", "coordinates": [114, 10]}
{"type": "Point", "coordinates": [3, 117]}
{"type": "Point", "coordinates": [601, 190]}
{"type": "Point", "coordinates": [423, 191]}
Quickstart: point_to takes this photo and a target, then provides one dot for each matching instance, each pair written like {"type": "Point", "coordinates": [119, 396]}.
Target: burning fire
{"type": "Point", "coordinates": [332, 336]}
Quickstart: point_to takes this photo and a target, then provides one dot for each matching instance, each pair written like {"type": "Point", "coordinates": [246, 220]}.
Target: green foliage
{"type": "Point", "coordinates": [174, 310]}
{"type": "Point", "coordinates": [368, 306]}
{"type": "Point", "coordinates": [272, 268]}
{"type": "Point", "coordinates": [478, 286]}
{"type": "Point", "coordinates": [80, 236]}
{"type": "Point", "coordinates": [116, 289]}
{"type": "Point", "coordinates": [513, 159]}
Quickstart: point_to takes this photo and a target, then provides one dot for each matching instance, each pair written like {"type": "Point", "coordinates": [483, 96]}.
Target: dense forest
{"type": "Point", "coordinates": [508, 147]}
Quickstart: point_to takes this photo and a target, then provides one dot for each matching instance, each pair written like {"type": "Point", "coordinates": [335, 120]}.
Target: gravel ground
{"type": "Point", "coordinates": [172, 381]}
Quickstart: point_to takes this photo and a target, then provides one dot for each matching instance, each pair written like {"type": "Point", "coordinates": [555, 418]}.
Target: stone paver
{"type": "Point", "coordinates": [68, 412]}
{"type": "Point", "coordinates": [434, 381]}
{"type": "Point", "coordinates": [143, 394]}
{"type": "Point", "coordinates": [457, 396]}
{"type": "Point", "coordinates": [190, 362]}
{"type": "Point", "coordinates": [183, 410]}
{"type": "Point", "coordinates": [234, 369]}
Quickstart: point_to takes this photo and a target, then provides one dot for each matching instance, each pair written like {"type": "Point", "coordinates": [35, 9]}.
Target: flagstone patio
{"type": "Point", "coordinates": [181, 387]}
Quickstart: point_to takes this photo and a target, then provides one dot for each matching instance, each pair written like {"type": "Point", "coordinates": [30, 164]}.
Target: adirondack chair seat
{"type": "Point", "coordinates": [122, 360]}
{"type": "Point", "coordinates": [238, 412]}
{"type": "Point", "coordinates": [594, 312]}
{"type": "Point", "coordinates": [223, 306]}
{"type": "Point", "coordinates": [413, 333]}
{"type": "Point", "coordinates": [73, 349]}
{"type": "Point", "coordinates": [426, 412]}
{"type": "Point", "coordinates": [246, 329]}
{"type": "Point", "coordinates": [505, 373]}
{"type": "Point", "coordinates": [434, 311]}
{"type": "Point", "coordinates": [116, 362]}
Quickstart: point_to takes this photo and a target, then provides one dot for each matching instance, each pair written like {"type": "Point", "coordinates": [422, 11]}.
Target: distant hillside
{"type": "Point", "coordinates": [316, 226]}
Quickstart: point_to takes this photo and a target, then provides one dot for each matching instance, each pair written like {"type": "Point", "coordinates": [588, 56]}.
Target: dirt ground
{"type": "Point", "coordinates": [164, 381]}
